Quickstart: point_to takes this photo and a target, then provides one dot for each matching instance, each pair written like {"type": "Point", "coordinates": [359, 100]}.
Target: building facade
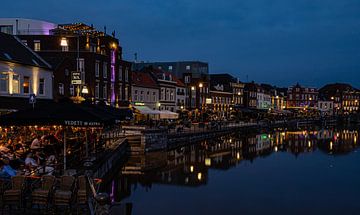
{"type": "Point", "coordinates": [22, 73]}
{"type": "Point", "coordinates": [105, 76]}
{"type": "Point", "coordinates": [302, 97]}
{"type": "Point", "coordinates": [346, 98]}
{"type": "Point", "coordinates": [145, 90]}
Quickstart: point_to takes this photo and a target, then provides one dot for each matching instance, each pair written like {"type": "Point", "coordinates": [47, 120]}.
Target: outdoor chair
{"type": "Point", "coordinates": [14, 195]}
{"type": "Point", "coordinates": [42, 195]}
{"type": "Point", "coordinates": [64, 195]}
{"type": "Point", "coordinates": [82, 192]}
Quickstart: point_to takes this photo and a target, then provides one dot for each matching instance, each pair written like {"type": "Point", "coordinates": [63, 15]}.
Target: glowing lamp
{"type": "Point", "coordinates": [85, 90]}
{"type": "Point", "coordinates": [64, 42]}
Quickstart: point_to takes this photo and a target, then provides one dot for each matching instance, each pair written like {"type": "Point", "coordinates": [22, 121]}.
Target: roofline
{"type": "Point", "coordinates": [34, 53]}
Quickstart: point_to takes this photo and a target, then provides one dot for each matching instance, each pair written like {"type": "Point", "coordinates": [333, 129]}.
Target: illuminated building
{"type": "Point", "coordinates": [95, 54]}
{"type": "Point", "coordinates": [22, 73]}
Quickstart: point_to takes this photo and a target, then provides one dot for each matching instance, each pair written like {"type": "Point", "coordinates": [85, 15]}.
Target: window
{"type": "Point", "coordinates": [16, 84]}
{"type": "Point", "coordinates": [64, 48]}
{"type": "Point", "coordinates": [188, 67]}
{"type": "Point", "coordinates": [105, 92]}
{"type": "Point", "coordinates": [61, 89]}
{"type": "Point", "coordinates": [97, 68]}
{"type": "Point", "coordinates": [120, 73]}
{"type": "Point", "coordinates": [26, 85]}
{"type": "Point", "coordinates": [81, 65]}
{"type": "Point", "coordinates": [126, 93]}
{"type": "Point", "coordinates": [37, 45]}
{"type": "Point", "coordinates": [7, 29]}
{"type": "Point", "coordinates": [72, 90]}
{"type": "Point", "coordinates": [170, 68]}
{"type": "Point", "coordinates": [187, 79]}
{"type": "Point", "coordinates": [126, 74]}
{"type": "Point", "coordinates": [4, 82]}
{"type": "Point", "coordinates": [24, 42]}
{"type": "Point", "coordinates": [42, 86]}
{"type": "Point", "coordinates": [97, 90]}
{"type": "Point", "coordinates": [105, 70]}
{"type": "Point", "coordinates": [120, 92]}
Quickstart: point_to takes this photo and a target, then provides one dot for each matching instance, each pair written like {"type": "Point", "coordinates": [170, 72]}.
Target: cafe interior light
{"type": "Point", "coordinates": [191, 168]}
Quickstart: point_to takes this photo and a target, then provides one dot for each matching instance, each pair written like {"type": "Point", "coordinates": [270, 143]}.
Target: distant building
{"type": "Point", "coordinates": [277, 96]}
{"type": "Point", "coordinates": [326, 108]}
{"type": "Point", "coordinates": [302, 97]}
{"type": "Point", "coordinates": [345, 97]}
{"type": "Point", "coordinates": [22, 73]}
{"type": "Point", "coordinates": [178, 68]}
{"type": "Point", "coordinates": [250, 95]}
{"type": "Point", "coordinates": [20, 26]}
{"type": "Point", "coordinates": [226, 93]}
{"type": "Point", "coordinates": [145, 91]}
{"type": "Point", "coordinates": [192, 73]}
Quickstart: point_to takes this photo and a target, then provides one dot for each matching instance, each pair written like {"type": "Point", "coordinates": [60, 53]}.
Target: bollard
{"type": "Point", "coordinates": [103, 203]}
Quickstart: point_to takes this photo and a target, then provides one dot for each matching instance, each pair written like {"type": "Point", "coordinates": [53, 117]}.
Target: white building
{"type": "Point", "coordinates": [20, 26]}
{"type": "Point", "coordinates": [22, 73]}
{"type": "Point", "coordinates": [144, 90]}
{"type": "Point", "coordinates": [326, 108]}
{"type": "Point", "coordinates": [180, 95]}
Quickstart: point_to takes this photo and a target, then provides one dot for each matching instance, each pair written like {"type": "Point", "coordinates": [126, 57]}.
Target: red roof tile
{"type": "Point", "coordinates": [143, 79]}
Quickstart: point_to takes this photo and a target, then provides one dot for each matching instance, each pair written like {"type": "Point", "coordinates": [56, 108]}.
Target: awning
{"type": "Point", "coordinates": [63, 113]}
{"type": "Point", "coordinates": [165, 114]}
{"type": "Point", "coordinates": [146, 110]}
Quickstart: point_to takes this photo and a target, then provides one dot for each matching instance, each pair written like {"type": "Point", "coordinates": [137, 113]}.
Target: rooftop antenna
{"type": "Point", "coordinates": [105, 29]}
{"type": "Point", "coordinates": [247, 78]}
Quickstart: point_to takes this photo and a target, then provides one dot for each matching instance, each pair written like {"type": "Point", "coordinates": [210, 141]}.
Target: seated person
{"type": "Point", "coordinates": [32, 164]}
{"type": "Point", "coordinates": [36, 143]}
{"type": "Point", "coordinates": [5, 170]}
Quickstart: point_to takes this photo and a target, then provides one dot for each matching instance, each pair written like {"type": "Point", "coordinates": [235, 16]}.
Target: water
{"type": "Point", "coordinates": [282, 172]}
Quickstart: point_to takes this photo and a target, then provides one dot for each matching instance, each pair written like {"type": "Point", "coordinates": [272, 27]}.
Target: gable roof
{"type": "Point", "coordinates": [13, 50]}
{"type": "Point", "coordinates": [143, 79]}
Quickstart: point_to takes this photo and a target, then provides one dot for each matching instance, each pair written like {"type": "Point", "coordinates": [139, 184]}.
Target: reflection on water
{"type": "Point", "coordinates": [190, 167]}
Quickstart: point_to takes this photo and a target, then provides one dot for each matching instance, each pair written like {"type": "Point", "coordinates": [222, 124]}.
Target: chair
{"type": "Point", "coordinates": [42, 195]}
{"type": "Point", "coordinates": [82, 193]}
{"type": "Point", "coordinates": [14, 195]}
{"type": "Point", "coordinates": [63, 195]}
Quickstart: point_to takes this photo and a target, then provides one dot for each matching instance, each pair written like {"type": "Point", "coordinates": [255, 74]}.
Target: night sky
{"type": "Point", "coordinates": [273, 41]}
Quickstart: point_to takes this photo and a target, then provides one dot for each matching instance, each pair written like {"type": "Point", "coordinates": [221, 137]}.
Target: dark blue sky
{"type": "Point", "coordinates": [274, 41]}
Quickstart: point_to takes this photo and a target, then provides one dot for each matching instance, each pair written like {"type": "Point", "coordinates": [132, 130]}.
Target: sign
{"type": "Point", "coordinates": [32, 99]}
{"type": "Point", "coordinates": [76, 78]}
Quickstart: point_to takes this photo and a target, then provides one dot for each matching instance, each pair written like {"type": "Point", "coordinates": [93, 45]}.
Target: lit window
{"type": "Point", "coordinates": [188, 67]}
{"type": "Point", "coordinates": [16, 84]}
{"type": "Point", "coordinates": [170, 68]}
{"type": "Point", "coordinates": [37, 45]}
{"type": "Point", "coordinates": [26, 85]}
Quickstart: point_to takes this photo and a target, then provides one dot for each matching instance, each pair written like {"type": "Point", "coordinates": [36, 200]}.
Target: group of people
{"type": "Point", "coordinates": [27, 152]}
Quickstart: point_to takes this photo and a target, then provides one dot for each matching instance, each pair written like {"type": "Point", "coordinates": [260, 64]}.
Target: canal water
{"type": "Point", "coordinates": [309, 171]}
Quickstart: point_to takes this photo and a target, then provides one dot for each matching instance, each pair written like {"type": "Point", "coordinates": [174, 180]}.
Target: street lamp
{"type": "Point", "coordinates": [200, 85]}
{"type": "Point", "coordinates": [64, 42]}
{"type": "Point", "coordinates": [192, 88]}
{"type": "Point", "coordinates": [85, 90]}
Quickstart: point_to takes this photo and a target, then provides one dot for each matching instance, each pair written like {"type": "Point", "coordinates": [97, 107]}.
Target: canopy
{"type": "Point", "coordinates": [146, 110]}
{"type": "Point", "coordinates": [63, 113]}
{"type": "Point", "coordinates": [165, 114]}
